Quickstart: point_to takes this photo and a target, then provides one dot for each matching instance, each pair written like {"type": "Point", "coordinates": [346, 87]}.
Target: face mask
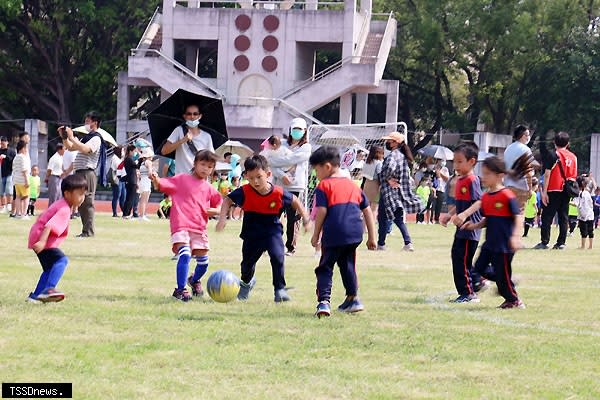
{"type": "Point", "coordinates": [136, 156]}
{"type": "Point", "coordinates": [297, 134]}
{"type": "Point", "coordinates": [88, 127]}
{"type": "Point", "coordinates": [423, 169]}
{"type": "Point", "coordinates": [193, 123]}
{"type": "Point", "coordinates": [443, 163]}
{"type": "Point", "coordinates": [430, 166]}
{"type": "Point", "coordinates": [388, 146]}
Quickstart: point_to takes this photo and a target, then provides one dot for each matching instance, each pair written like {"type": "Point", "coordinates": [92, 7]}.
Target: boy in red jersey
{"type": "Point", "coordinates": [262, 231]}
{"type": "Point", "coordinates": [502, 217]}
{"type": "Point", "coordinates": [339, 204]}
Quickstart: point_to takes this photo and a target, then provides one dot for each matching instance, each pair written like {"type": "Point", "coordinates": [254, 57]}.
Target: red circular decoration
{"type": "Point", "coordinates": [271, 23]}
{"type": "Point", "coordinates": [243, 22]}
{"type": "Point", "coordinates": [269, 63]}
{"type": "Point", "coordinates": [270, 43]}
{"type": "Point", "coordinates": [242, 43]}
{"type": "Point", "coordinates": [241, 63]}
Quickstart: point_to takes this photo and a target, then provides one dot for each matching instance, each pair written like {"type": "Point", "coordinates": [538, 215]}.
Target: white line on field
{"type": "Point", "coordinates": [439, 302]}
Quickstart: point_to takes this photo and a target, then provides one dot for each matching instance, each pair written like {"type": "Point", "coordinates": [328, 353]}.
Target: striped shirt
{"type": "Point", "coordinates": [90, 160]}
{"type": "Point", "coordinates": [21, 164]}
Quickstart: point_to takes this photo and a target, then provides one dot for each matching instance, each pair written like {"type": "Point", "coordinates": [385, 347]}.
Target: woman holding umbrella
{"type": "Point", "coordinates": [186, 140]}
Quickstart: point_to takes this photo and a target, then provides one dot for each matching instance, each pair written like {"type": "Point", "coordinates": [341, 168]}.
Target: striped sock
{"type": "Point", "coordinates": [201, 267]}
{"type": "Point", "coordinates": [183, 265]}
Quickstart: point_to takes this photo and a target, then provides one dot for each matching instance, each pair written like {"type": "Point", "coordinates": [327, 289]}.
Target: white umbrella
{"type": "Point", "coordinates": [107, 137]}
{"type": "Point", "coordinates": [482, 155]}
{"type": "Point", "coordinates": [222, 166]}
{"type": "Point", "coordinates": [437, 151]}
{"type": "Point", "coordinates": [334, 138]}
{"type": "Point", "coordinates": [233, 146]}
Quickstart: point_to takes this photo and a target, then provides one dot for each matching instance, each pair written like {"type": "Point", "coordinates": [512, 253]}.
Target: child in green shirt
{"type": "Point", "coordinates": [423, 191]}
{"type": "Point", "coordinates": [34, 189]}
{"type": "Point", "coordinates": [164, 207]}
{"type": "Point", "coordinates": [531, 209]}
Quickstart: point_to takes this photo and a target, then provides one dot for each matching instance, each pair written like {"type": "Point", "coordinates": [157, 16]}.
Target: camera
{"type": "Point", "coordinates": [62, 132]}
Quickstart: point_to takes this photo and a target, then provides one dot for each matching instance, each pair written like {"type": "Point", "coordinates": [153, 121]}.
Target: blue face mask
{"type": "Point", "coordinates": [193, 123]}
{"type": "Point", "coordinates": [136, 156]}
{"type": "Point", "coordinates": [297, 133]}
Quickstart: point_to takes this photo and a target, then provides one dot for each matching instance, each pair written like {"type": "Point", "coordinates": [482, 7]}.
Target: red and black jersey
{"type": "Point", "coordinates": [499, 208]}
{"type": "Point", "coordinates": [261, 212]}
{"type": "Point", "coordinates": [467, 191]}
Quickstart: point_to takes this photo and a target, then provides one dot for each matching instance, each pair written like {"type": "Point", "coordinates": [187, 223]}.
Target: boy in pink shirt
{"type": "Point", "coordinates": [194, 201]}
{"type": "Point", "coordinates": [48, 232]}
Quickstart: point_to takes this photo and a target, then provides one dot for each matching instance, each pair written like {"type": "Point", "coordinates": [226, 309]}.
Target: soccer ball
{"type": "Point", "coordinates": [223, 286]}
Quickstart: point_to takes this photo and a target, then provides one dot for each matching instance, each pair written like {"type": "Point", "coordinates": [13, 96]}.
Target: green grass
{"type": "Point", "coordinates": [119, 335]}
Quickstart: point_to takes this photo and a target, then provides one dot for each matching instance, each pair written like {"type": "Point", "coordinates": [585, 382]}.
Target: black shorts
{"type": "Point", "coordinates": [586, 228]}
{"type": "Point", "coordinates": [49, 257]}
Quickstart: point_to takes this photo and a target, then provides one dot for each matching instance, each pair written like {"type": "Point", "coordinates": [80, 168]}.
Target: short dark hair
{"type": "Point", "coordinates": [21, 145]}
{"type": "Point", "coordinates": [94, 116]}
{"type": "Point", "coordinates": [227, 154]}
{"type": "Point", "coordinates": [23, 134]}
{"type": "Point", "coordinates": [3, 139]}
{"type": "Point", "coordinates": [59, 146]}
{"type": "Point", "coordinates": [468, 149]}
{"type": "Point", "coordinates": [192, 105]}
{"type": "Point", "coordinates": [206, 155]}
{"type": "Point", "coordinates": [325, 154]}
{"type": "Point", "coordinates": [256, 162]}
{"type": "Point", "coordinates": [582, 181]}
{"type": "Point", "coordinates": [495, 164]}
{"type": "Point", "coordinates": [519, 132]}
{"type": "Point", "coordinates": [561, 139]}
{"type": "Point", "coordinates": [73, 182]}
{"type": "Point", "coordinates": [130, 147]}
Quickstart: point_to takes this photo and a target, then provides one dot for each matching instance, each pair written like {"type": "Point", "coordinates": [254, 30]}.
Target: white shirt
{"type": "Point", "coordinates": [372, 170]}
{"type": "Point", "coordinates": [68, 158]}
{"type": "Point", "coordinates": [55, 164]}
{"type": "Point", "coordinates": [184, 159]}
{"type": "Point", "coordinates": [511, 154]}
{"type": "Point", "coordinates": [585, 206]}
{"type": "Point", "coordinates": [21, 164]}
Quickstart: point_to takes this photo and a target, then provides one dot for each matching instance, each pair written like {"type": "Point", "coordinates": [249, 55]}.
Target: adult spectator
{"type": "Point", "coordinates": [186, 140]}
{"type": "Point", "coordinates": [441, 179]}
{"type": "Point", "coordinates": [91, 154]}
{"type": "Point", "coordinates": [118, 198]}
{"type": "Point", "coordinates": [7, 155]}
{"type": "Point", "coordinates": [300, 150]}
{"type": "Point", "coordinates": [54, 174]}
{"type": "Point", "coordinates": [554, 198]}
{"type": "Point", "coordinates": [521, 187]}
{"type": "Point", "coordinates": [396, 195]}
{"type": "Point", "coordinates": [131, 180]}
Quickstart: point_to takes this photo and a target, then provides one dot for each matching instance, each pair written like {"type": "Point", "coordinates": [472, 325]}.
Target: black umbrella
{"type": "Point", "coordinates": [169, 115]}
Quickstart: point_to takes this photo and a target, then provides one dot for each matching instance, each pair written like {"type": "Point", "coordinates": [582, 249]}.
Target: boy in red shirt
{"type": "Point", "coordinates": [48, 232]}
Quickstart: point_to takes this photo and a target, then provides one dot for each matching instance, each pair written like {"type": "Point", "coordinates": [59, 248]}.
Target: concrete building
{"type": "Point", "coordinates": [260, 58]}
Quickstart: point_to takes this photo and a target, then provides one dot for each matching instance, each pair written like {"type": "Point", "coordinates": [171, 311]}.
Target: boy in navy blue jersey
{"type": "Point", "coordinates": [501, 215]}
{"type": "Point", "coordinates": [467, 191]}
{"type": "Point", "coordinates": [262, 231]}
{"type": "Point", "coordinates": [339, 203]}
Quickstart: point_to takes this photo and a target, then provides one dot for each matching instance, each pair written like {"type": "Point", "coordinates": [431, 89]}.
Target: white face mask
{"type": "Point", "coordinates": [193, 123]}
{"type": "Point", "coordinates": [443, 163]}
{"type": "Point", "coordinates": [430, 166]}
{"type": "Point", "coordinates": [88, 127]}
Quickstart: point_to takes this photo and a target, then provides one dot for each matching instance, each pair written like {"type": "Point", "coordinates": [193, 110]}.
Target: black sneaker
{"type": "Point", "coordinates": [541, 246]}
{"type": "Point", "coordinates": [351, 306]}
{"type": "Point", "coordinates": [466, 299]}
{"type": "Point", "coordinates": [282, 295]}
{"type": "Point", "coordinates": [559, 247]}
{"type": "Point", "coordinates": [323, 309]}
{"type": "Point", "coordinates": [182, 295]}
{"type": "Point", "coordinates": [482, 285]}
{"type": "Point", "coordinates": [245, 289]}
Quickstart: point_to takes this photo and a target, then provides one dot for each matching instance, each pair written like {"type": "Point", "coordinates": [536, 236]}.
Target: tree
{"type": "Point", "coordinates": [59, 58]}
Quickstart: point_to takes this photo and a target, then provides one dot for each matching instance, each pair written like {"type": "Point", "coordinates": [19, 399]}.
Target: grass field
{"type": "Point", "coordinates": [119, 334]}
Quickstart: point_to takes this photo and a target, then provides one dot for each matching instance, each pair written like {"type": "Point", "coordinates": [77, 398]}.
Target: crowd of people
{"type": "Point", "coordinates": [507, 199]}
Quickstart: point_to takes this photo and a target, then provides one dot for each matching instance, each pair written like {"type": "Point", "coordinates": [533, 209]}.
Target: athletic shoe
{"type": "Point", "coordinates": [408, 247]}
{"type": "Point", "coordinates": [282, 295]}
{"type": "Point", "coordinates": [290, 253]}
{"type": "Point", "coordinates": [245, 289]}
{"type": "Point", "coordinates": [559, 247]}
{"type": "Point", "coordinates": [466, 299]}
{"type": "Point", "coordinates": [381, 248]}
{"type": "Point", "coordinates": [145, 218]}
{"type": "Point", "coordinates": [482, 285]}
{"type": "Point", "coordinates": [182, 295]}
{"type": "Point", "coordinates": [33, 300]}
{"type": "Point", "coordinates": [541, 246]}
{"type": "Point", "coordinates": [83, 235]}
{"type": "Point", "coordinates": [51, 295]}
{"type": "Point", "coordinates": [512, 304]}
{"type": "Point", "coordinates": [323, 309]}
{"type": "Point", "coordinates": [196, 287]}
{"type": "Point", "coordinates": [351, 306]}
{"type": "Point", "coordinates": [3, 210]}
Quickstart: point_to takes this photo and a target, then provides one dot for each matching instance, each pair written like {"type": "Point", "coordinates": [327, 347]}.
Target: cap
{"type": "Point", "coordinates": [396, 136]}
{"type": "Point", "coordinates": [298, 123]}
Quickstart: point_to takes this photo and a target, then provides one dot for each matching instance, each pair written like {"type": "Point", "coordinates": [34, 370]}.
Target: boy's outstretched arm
{"type": "Point", "coordinates": [319, 219]}
{"type": "Point", "coordinates": [460, 218]}
{"type": "Point", "coordinates": [227, 202]}
{"type": "Point", "coordinates": [297, 205]}
{"type": "Point", "coordinates": [370, 221]}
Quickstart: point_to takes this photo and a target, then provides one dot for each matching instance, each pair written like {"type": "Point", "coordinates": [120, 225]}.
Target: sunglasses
{"type": "Point", "coordinates": [192, 114]}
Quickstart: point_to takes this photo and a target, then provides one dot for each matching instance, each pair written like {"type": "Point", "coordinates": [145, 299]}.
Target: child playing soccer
{"type": "Point", "coordinates": [531, 209]}
{"type": "Point", "coordinates": [194, 201]}
{"type": "Point", "coordinates": [501, 214]}
{"type": "Point", "coordinates": [467, 191]}
{"type": "Point", "coordinates": [339, 203]}
{"type": "Point", "coordinates": [34, 189]}
{"type": "Point", "coordinates": [262, 231]}
{"type": "Point", "coordinates": [48, 232]}
{"type": "Point", "coordinates": [585, 208]}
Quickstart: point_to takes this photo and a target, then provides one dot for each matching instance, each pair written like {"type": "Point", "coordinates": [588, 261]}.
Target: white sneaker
{"type": "Point", "coordinates": [145, 218]}
{"type": "Point", "coordinates": [408, 247]}
{"type": "Point", "coordinates": [3, 210]}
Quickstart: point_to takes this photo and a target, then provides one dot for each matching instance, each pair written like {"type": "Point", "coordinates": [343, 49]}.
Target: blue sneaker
{"type": "Point", "coordinates": [281, 295]}
{"type": "Point", "coordinates": [245, 289]}
{"type": "Point", "coordinates": [466, 299]}
{"type": "Point", "coordinates": [351, 306]}
{"type": "Point", "coordinates": [323, 309]}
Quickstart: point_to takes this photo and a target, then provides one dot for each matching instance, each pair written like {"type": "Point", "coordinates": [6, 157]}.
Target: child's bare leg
{"type": "Point", "coordinates": [590, 241]}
